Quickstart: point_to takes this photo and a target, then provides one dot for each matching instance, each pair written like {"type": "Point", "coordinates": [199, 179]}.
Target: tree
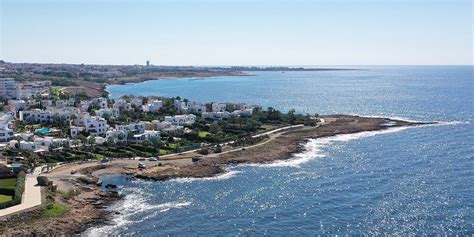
{"type": "Point", "coordinates": [291, 116]}
{"type": "Point", "coordinates": [121, 137]}
{"type": "Point", "coordinates": [110, 141]}
{"type": "Point", "coordinates": [218, 149]}
{"type": "Point", "coordinates": [203, 151]}
{"type": "Point", "coordinates": [214, 128]}
{"type": "Point", "coordinates": [146, 144]}
{"type": "Point", "coordinates": [157, 144]}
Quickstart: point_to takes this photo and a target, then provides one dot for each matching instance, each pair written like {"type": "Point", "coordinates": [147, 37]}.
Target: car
{"type": "Point", "coordinates": [73, 171]}
{"type": "Point", "coordinates": [153, 159]}
{"type": "Point", "coordinates": [141, 159]}
{"type": "Point", "coordinates": [141, 166]}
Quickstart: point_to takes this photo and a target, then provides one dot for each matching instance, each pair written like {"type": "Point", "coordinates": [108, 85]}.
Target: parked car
{"type": "Point", "coordinates": [153, 159]}
{"type": "Point", "coordinates": [141, 166]}
{"type": "Point", "coordinates": [141, 159]}
{"type": "Point", "coordinates": [73, 171]}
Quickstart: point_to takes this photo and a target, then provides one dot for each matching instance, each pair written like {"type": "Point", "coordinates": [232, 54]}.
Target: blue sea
{"type": "Point", "coordinates": [417, 181]}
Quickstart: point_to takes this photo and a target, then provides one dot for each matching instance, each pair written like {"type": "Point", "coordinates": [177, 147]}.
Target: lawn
{"type": "Point", "coordinates": [54, 209]}
{"type": "Point", "coordinates": [163, 152]}
{"type": "Point", "coordinates": [8, 183]}
{"type": "Point", "coordinates": [5, 198]}
{"type": "Point", "coordinates": [203, 134]}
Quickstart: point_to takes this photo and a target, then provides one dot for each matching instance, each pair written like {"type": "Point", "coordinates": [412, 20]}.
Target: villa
{"type": "Point", "coordinates": [218, 107]}
{"type": "Point", "coordinates": [197, 107]}
{"type": "Point", "coordinates": [153, 107]}
{"type": "Point", "coordinates": [6, 133]}
{"type": "Point", "coordinates": [215, 115]}
{"type": "Point", "coordinates": [186, 119]}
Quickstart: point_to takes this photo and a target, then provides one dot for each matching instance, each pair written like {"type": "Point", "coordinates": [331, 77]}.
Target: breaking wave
{"type": "Point", "coordinates": [227, 175]}
{"type": "Point", "coordinates": [133, 204]}
{"type": "Point", "coordinates": [313, 148]}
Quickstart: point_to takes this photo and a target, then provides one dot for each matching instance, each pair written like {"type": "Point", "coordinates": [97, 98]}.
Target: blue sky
{"type": "Point", "coordinates": [233, 32]}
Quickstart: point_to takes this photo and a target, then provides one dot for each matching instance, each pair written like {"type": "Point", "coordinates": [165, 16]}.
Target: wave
{"type": "Point", "coordinates": [314, 147]}
{"type": "Point", "coordinates": [227, 175]}
{"type": "Point", "coordinates": [452, 122]}
{"type": "Point", "coordinates": [135, 203]}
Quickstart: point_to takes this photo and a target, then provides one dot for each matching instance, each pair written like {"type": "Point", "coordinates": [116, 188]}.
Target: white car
{"type": "Point", "coordinates": [141, 166]}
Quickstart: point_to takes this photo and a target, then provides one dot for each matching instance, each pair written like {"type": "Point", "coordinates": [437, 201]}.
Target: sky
{"type": "Point", "coordinates": [238, 32]}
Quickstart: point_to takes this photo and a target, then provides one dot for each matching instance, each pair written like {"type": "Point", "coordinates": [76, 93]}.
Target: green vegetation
{"type": "Point", "coordinates": [10, 197]}
{"type": "Point", "coordinates": [8, 183]}
{"type": "Point", "coordinates": [54, 209]}
{"type": "Point", "coordinates": [203, 134]}
{"type": "Point", "coordinates": [5, 199]}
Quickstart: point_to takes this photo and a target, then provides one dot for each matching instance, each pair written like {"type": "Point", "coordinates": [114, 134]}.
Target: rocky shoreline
{"type": "Point", "coordinates": [280, 148]}
{"type": "Point", "coordinates": [89, 206]}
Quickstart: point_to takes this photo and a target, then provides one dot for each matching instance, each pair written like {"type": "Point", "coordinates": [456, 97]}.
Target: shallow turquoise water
{"type": "Point", "coordinates": [404, 181]}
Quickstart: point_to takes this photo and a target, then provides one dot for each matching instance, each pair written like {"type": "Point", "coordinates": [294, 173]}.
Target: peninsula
{"type": "Point", "coordinates": [67, 142]}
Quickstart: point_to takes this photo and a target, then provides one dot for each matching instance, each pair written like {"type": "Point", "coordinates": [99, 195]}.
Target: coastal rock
{"type": "Point", "coordinates": [42, 181]}
{"type": "Point", "coordinates": [110, 186]}
{"type": "Point", "coordinates": [87, 180]}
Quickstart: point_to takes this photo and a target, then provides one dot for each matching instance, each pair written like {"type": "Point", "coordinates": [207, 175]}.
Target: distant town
{"type": "Point", "coordinates": [92, 79]}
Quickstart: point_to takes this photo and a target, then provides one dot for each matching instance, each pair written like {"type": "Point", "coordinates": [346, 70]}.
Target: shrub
{"type": "Point", "coordinates": [204, 151]}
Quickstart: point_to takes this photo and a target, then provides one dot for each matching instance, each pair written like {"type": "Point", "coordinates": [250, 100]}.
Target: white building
{"type": "Point", "coordinates": [8, 88]}
{"type": "Point", "coordinates": [218, 107]}
{"type": "Point", "coordinates": [46, 103]}
{"type": "Point", "coordinates": [24, 145]}
{"type": "Point", "coordinates": [6, 133]}
{"type": "Point", "coordinates": [243, 113]}
{"type": "Point", "coordinates": [96, 126]}
{"type": "Point", "coordinates": [162, 126]}
{"type": "Point", "coordinates": [17, 104]}
{"type": "Point", "coordinates": [111, 112]}
{"type": "Point", "coordinates": [48, 115]}
{"type": "Point", "coordinates": [133, 133]}
{"type": "Point", "coordinates": [196, 107]}
{"type": "Point", "coordinates": [146, 135]}
{"type": "Point", "coordinates": [103, 103]}
{"type": "Point", "coordinates": [153, 107]}
{"type": "Point", "coordinates": [137, 101]}
{"type": "Point", "coordinates": [180, 105]}
{"type": "Point", "coordinates": [46, 143]}
{"type": "Point", "coordinates": [185, 119]}
{"type": "Point", "coordinates": [65, 103]}
{"type": "Point", "coordinates": [215, 115]}
{"type": "Point", "coordinates": [122, 104]}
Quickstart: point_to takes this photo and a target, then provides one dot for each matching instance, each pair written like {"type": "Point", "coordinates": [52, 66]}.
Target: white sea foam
{"type": "Point", "coordinates": [135, 203]}
{"type": "Point", "coordinates": [227, 175]}
{"type": "Point", "coordinates": [435, 123]}
{"type": "Point", "coordinates": [313, 149]}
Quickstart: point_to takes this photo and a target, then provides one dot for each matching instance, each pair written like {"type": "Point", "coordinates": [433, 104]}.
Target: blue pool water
{"type": "Point", "coordinates": [42, 130]}
{"type": "Point", "coordinates": [404, 181]}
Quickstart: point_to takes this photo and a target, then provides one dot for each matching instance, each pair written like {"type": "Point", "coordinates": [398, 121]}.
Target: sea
{"type": "Point", "coordinates": [404, 181]}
